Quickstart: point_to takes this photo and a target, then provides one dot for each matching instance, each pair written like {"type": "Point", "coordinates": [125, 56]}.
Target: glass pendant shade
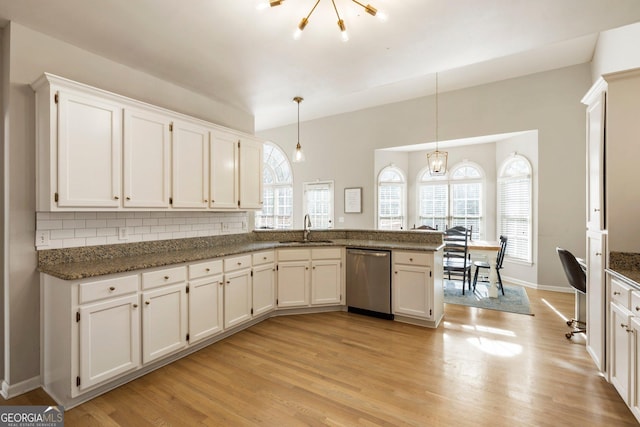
{"type": "Point", "coordinates": [298, 154]}
{"type": "Point", "coordinates": [437, 162]}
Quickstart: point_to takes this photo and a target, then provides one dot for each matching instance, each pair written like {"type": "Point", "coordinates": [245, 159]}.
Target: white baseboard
{"type": "Point", "coordinates": [8, 391]}
{"type": "Point", "coordinates": [512, 281]}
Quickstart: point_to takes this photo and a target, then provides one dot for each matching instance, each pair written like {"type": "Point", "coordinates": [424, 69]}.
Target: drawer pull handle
{"type": "Point", "coordinates": [112, 288]}
{"type": "Point", "coordinates": [147, 302]}
{"type": "Point", "coordinates": [116, 198]}
{"type": "Point", "coordinates": [166, 277]}
{"type": "Point", "coordinates": [596, 210]}
{"type": "Point", "coordinates": [622, 325]}
{"type": "Point", "coordinates": [616, 293]}
{"type": "Point", "coordinates": [598, 253]}
{"type": "Point", "coordinates": [135, 305]}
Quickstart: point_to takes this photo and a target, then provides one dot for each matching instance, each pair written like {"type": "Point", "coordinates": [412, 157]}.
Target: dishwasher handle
{"type": "Point", "coordinates": [367, 253]}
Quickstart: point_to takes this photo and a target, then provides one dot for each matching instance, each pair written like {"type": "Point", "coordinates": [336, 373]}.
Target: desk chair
{"type": "Point", "coordinates": [577, 279]}
{"type": "Point", "coordinates": [499, 259]}
{"type": "Point", "coordinates": [456, 259]}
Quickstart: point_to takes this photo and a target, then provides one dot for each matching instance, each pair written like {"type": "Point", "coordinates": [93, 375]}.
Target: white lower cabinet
{"type": "Point", "coordinates": [206, 300]}
{"type": "Point", "coordinates": [109, 338]}
{"type": "Point", "coordinates": [326, 276]}
{"type": "Point", "coordinates": [237, 290]}
{"type": "Point", "coordinates": [619, 366]}
{"type": "Point", "coordinates": [294, 277]}
{"type": "Point", "coordinates": [417, 285]}
{"type": "Point", "coordinates": [264, 283]}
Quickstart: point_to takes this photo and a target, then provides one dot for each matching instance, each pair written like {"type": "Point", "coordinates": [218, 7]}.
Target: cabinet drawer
{"type": "Point", "coordinates": [166, 276]}
{"type": "Point", "coordinates": [263, 257]}
{"type": "Point", "coordinates": [237, 263]}
{"type": "Point", "coordinates": [203, 269]}
{"type": "Point", "coordinates": [326, 253]}
{"type": "Point", "coordinates": [413, 258]}
{"type": "Point", "coordinates": [107, 288]}
{"type": "Point", "coordinates": [294, 254]}
{"type": "Point", "coordinates": [620, 293]}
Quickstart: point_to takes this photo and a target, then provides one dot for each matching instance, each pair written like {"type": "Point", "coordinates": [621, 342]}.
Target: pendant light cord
{"type": "Point", "coordinates": [436, 111]}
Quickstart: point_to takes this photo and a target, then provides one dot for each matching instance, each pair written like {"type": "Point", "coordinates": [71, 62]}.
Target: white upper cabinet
{"type": "Point", "coordinates": [190, 165]}
{"type": "Point", "coordinates": [96, 150]}
{"type": "Point", "coordinates": [250, 173]}
{"type": "Point", "coordinates": [89, 151]}
{"type": "Point", "coordinates": [224, 170]}
{"type": "Point", "coordinates": [147, 151]}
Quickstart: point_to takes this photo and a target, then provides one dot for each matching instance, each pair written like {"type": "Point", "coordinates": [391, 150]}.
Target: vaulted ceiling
{"type": "Point", "coordinates": [232, 52]}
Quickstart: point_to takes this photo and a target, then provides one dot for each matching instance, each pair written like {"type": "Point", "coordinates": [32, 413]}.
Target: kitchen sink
{"type": "Point", "coordinates": [306, 242]}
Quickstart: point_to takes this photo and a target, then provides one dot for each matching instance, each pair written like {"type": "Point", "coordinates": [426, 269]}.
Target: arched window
{"type": "Point", "coordinates": [515, 207]}
{"type": "Point", "coordinates": [391, 199]}
{"type": "Point", "coordinates": [277, 181]}
{"type": "Point", "coordinates": [452, 199]}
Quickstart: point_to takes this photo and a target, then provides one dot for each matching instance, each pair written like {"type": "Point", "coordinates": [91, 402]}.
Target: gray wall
{"type": "Point", "coordinates": [342, 148]}
{"type": "Point", "coordinates": [29, 55]}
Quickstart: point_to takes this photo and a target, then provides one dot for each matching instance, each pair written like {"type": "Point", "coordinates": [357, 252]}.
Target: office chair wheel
{"type": "Point", "coordinates": [568, 335]}
{"type": "Point", "coordinates": [570, 322]}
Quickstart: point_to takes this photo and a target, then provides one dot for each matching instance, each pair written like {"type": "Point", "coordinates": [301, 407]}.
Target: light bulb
{"type": "Point", "coordinates": [382, 16]}
{"type": "Point", "coordinates": [343, 31]}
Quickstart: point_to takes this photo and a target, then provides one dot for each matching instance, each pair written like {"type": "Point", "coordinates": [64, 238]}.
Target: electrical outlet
{"type": "Point", "coordinates": [42, 238]}
{"type": "Point", "coordinates": [123, 233]}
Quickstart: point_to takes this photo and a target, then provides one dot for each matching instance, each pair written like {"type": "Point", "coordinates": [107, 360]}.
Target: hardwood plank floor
{"type": "Point", "coordinates": [480, 367]}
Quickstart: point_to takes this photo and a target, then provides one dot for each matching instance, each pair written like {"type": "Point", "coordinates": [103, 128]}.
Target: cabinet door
{"type": "Point", "coordinates": [293, 284]}
{"type": "Point", "coordinates": [146, 159]}
{"type": "Point", "coordinates": [264, 289]}
{"type": "Point", "coordinates": [619, 372]}
{"type": "Point", "coordinates": [326, 282]}
{"type": "Point", "coordinates": [205, 308]}
{"type": "Point", "coordinates": [634, 402]}
{"type": "Point", "coordinates": [89, 151]}
{"type": "Point", "coordinates": [595, 163]}
{"type": "Point", "coordinates": [596, 298]}
{"type": "Point", "coordinates": [237, 298]}
{"type": "Point", "coordinates": [224, 171]}
{"type": "Point", "coordinates": [109, 340]}
{"type": "Point", "coordinates": [190, 175]}
{"type": "Point", "coordinates": [411, 291]}
{"type": "Point", "coordinates": [164, 321]}
{"type": "Point", "coordinates": [250, 168]}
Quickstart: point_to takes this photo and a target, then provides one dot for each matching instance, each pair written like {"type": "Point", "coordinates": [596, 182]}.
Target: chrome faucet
{"type": "Point", "coordinates": [307, 226]}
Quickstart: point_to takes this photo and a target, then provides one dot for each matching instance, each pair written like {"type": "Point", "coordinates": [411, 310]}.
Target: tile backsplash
{"type": "Point", "coordinates": [55, 230]}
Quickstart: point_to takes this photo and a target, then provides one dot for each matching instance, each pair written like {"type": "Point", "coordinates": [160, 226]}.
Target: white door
{"type": "Point", "coordinates": [250, 168]}
{"type": "Point", "coordinates": [264, 292]}
{"type": "Point", "coordinates": [205, 308]}
{"type": "Point", "coordinates": [89, 151]}
{"type": "Point", "coordinates": [224, 171]}
{"type": "Point", "coordinates": [190, 175]}
{"type": "Point", "coordinates": [411, 291]}
{"type": "Point", "coordinates": [619, 372]}
{"type": "Point", "coordinates": [147, 143]}
{"type": "Point", "coordinates": [164, 321]}
{"type": "Point", "coordinates": [293, 284]}
{"type": "Point", "coordinates": [237, 298]}
{"type": "Point", "coordinates": [109, 340]}
{"type": "Point", "coordinates": [326, 282]}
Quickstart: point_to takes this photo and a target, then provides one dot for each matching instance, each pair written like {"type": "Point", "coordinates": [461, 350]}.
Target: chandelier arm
{"type": "Point", "coordinates": [336, 9]}
{"type": "Point", "coordinates": [312, 9]}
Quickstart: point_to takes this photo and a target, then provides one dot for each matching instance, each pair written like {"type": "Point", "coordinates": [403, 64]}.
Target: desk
{"type": "Point", "coordinates": [490, 250]}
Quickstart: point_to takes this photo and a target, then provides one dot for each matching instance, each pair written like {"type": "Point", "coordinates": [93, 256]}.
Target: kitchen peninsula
{"type": "Point", "coordinates": [113, 313]}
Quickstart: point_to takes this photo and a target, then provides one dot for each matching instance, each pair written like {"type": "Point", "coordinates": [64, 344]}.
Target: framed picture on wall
{"type": "Point", "coordinates": [353, 200]}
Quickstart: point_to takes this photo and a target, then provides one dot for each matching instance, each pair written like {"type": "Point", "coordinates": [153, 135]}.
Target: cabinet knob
{"type": "Point", "coordinates": [207, 270]}
{"type": "Point", "coordinates": [166, 277]}
{"type": "Point", "coordinates": [622, 325]}
{"type": "Point", "coordinates": [228, 282]}
{"type": "Point", "coordinates": [221, 282]}
{"type": "Point", "coordinates": [264, 258]}
{"type": "Point", "coordinates": [616, 293]}
{"type": "Point", "coordinates": [116, 198]}
{"type": "Point", "coordinates": [314, 267]}
{"type": "Point", "coordinates": [147, 302]}
{"type": "Point", "coordinates": [598, 253]}
{"type": "Point", "coordinates": [411, 259]}
{"type": "Point", "coordinates": [112, 288]}
{"type": "Point", "coordinates": [395, 272]}
{"type": "Point", "coordinates": [239, 263]}
{"type": "Point", "coordinates": [128, 198]}
{"type": "Point", "coordinates": [596, 210]}
{"type": "Point", "coordinates": [205, 200]}
{"type": "Point", "coordinates": [637, 308]}
{"type": "Point", "coordinates": [135, 305]}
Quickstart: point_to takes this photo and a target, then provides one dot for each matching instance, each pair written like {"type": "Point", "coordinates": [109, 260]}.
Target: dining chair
{"type": "Point", "coordinates": [499, 260]}
{"type": "Point", "coordinates": [456, 258]}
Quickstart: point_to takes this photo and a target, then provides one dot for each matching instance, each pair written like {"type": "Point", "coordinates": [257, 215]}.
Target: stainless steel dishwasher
{"type": "Point", "coordinates": [369, 282]}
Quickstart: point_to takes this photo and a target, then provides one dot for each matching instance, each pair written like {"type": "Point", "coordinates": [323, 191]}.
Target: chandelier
{"type": "Point", "coordinates": [437, 160]}
{"type": "Point", "coordinates": [341, 25]}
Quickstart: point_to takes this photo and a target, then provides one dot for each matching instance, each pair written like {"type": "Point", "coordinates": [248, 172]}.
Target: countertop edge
{"type": "Point", "coordinates": [632, 277]}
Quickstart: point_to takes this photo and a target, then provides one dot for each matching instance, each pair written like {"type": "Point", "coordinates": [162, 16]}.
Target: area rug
{"type": "Point", "coordinates": [514, 300]}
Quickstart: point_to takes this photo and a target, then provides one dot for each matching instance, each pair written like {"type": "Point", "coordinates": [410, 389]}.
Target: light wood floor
{"type": "Point", "coordinates": [480, 367]}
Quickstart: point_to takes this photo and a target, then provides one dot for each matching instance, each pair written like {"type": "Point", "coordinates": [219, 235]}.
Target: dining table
{"type": "Point", "coordinates": [488, 249]}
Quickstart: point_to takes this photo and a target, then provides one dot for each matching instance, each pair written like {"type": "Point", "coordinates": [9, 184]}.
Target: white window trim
{"type": "Point", "coordinates": [287, 184]}
{"type": "Point", "coordinates": [404, 194]}
{"type": "Point", "coordinates": [306, 186]}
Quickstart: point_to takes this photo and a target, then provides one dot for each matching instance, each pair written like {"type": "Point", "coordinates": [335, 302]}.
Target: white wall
{"type": "Point", "coordinates": [616, 50]}
{"type": "Point", "coordinates": [342, 148]}
{"type": "Point", "coordinates": [29, 55]}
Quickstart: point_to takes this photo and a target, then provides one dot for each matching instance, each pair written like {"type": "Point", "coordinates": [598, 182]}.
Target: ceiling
{"type": "Point", "coordinates": [230, 51]}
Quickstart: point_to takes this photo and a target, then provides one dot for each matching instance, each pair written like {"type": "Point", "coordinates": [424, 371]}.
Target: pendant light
{"type": "Point", "coordinates": [437, 160]}
{"type": "Point", "coordinates": [298, 154]}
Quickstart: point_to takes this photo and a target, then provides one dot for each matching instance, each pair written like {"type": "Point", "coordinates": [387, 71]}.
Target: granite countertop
{"type": "Point", "coordinates": [625, 266]}
{"type": "Point", "coordinates": [82, 263]}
